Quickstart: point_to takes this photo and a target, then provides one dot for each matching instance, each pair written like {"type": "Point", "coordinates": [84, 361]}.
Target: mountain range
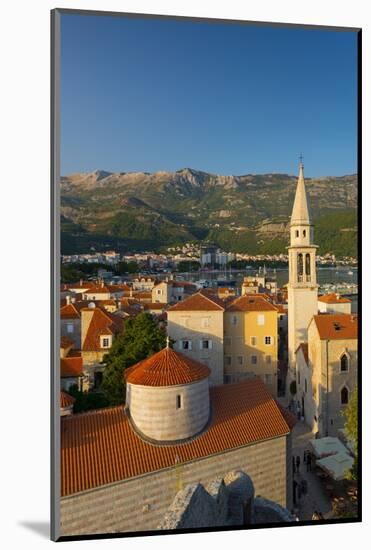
{"type": "Point", "coordinates": [250, 213]}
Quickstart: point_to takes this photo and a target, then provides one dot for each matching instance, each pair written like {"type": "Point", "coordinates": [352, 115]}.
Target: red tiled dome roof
{"type": "Point", "coordinates": [166, 368]}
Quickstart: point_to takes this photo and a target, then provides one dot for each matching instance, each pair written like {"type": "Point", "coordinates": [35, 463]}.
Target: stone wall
{"type": "Point", "coordinates": [154, 411]}
{"type": "Point", "coordinates": [140, 504]}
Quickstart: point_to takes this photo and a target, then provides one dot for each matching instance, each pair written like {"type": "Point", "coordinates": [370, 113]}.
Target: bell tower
{"type": "Point", "coordinates": [302, 287]}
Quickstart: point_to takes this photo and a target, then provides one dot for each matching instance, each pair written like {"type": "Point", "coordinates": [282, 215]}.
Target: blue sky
{"type": "Point", "coordinates": [148, 95]}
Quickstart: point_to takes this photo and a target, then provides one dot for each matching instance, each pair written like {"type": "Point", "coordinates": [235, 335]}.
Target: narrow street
{"type": "Point", "coordinates": [315, 499]}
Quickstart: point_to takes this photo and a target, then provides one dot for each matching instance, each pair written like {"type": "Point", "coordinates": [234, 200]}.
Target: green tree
{"type": "Point", "coordinates": [141, 338]}
{"type": "Point", "coordinates": [86, 401]}
{"type": "Point", "coordinates": [351, 430]}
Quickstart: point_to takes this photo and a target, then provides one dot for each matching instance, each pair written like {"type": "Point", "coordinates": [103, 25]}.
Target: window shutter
{"type": "Point", "coordinates": [200, 344]}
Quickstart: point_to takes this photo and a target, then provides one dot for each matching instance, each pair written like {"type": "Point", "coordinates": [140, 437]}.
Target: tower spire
{"type": "Point", "coordinates": [300, 212]}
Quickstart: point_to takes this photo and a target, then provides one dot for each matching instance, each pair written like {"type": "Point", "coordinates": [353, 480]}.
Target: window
{"type": "Point", "coordinates": [228, 360]}
{"type": "Point", "coordinates": [105, 342]}
{"type": "Point", "coordinates": [300, 266]}
{"type": "Point", "coordinates": [178, 401]}
{"type": "Point", "coordinates": [206, 344]}
{"type": "Point", "coordinates": [205, 322]}
{"type": "Point", "coordinates": [253, 340]}
{"type": "Point", "coordinates": [69, 328]}
{"type": "Point", "coordinates": [234, 320]}
{"type": "Point", "coordinates": [239, 360]}
{"type": "Point", "coordinates": [344, 363]}
{"type": "Point", "coordinates": [307, 266]}
{"type": "Point", "coordinates": [159, 291]}
{"type": "Point", "coordinates": [268, 378]}
{"type": "Point", "coordinates": [268, 359]}
{"type": "Point", "coordinates": [296, 234]}
{"type": "Point", "coordinates": [254, 360]}
{"type": "Point", "coordinates": [304, 233]}
{"type": "Point", "coordinates": [268, 340]}
{"type": "Point", "coordinates": [185, 344]}
{"type": "Point", "coordinates": [344, 396]}
{"type": "Point", "coordinates": [261, 319]}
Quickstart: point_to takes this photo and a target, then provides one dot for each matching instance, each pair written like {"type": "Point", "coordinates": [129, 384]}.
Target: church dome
{"type": "Point", "coordinates": [167, 396]}
{"type": "Point", "coordinates": [167, 368]}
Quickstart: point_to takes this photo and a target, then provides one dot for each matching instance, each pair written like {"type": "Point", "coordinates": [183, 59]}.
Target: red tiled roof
{"type": "Point", "coordinates": [65, 342]}
{"type": "Point", "coordinates": [66, 400]}
{"type": "Point", "coordinates": [102, 323]}
{"type": "Point", "coordinates": [154, 305]}
{"type": "Point", "coordinates": [334, 299]}
{"type": "Point", "coordinates": [337, 326]}
{"type": "Point", "coordinates": [97, 290]}
{"type": "Point", "coordinates": [166, 368]}
{"type": "Point", "coordinates": [71, 367]}
{"type": "Point", "coordinates": [201, 301]}
{"type": "Point", "coordinates": [250, 303]}
{"type": "Point", "coordinates": [304, 347]}
{"type": "Point", "coordinates": [242, 414]}
{"type": "Point", "coordinates": [70, 311]}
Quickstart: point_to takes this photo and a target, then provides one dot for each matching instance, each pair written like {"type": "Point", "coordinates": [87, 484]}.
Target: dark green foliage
{"type": "Point", "coordinates": [351, 429]}
{"type": "Point", "coordinates": [87, 401]}
{"type": "Point", "coordinates": [142, 337]}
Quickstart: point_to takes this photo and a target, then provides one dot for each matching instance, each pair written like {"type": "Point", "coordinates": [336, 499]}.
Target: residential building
{"type": "Point", "coordinates": [251, 340]}
{"type": "Point", "coordinates": [196, 324]}
{"type": "Point", "coordinates": [169, 292]}
{"type": "Point", "coordinates": [98, 330]}
{"type": "Point", "coordinates": [334, 303]}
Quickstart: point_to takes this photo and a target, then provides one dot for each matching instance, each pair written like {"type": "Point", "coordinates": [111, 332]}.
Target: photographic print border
{"type": "Point", "coordinates": [55, 267]}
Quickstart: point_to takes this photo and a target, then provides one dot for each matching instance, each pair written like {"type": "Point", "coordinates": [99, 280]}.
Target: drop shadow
{"type": "Point", "coordinates": [41, 528]}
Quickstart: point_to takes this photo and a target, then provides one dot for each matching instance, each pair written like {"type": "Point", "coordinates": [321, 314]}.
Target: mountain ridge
{"type": "Point", "coordinates": [125, 209]}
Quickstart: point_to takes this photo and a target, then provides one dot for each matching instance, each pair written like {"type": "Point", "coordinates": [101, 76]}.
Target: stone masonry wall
{"type": "Point", "coordinates": [139, 504]}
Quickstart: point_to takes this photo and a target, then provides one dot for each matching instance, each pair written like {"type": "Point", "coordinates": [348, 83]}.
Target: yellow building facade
{"type": "Point", "coordinates": [251, 341]}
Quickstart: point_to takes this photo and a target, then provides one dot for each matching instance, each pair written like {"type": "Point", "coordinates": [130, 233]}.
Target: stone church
{"type": "Point", "coordinates": [122, 467]}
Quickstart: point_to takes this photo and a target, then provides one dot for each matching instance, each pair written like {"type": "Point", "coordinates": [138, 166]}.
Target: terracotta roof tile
{"type": "Point", "coordinates": [201, 301]}
{"type": "Point", "coordinates": [166, 368]}
{"type": "Point", "coordinates": [337, 326]}
{"type": "Point", "coordinates": [102, 323]}
{"type": "Point", "coordinates": [250, 303]}
{"type": "Point", "coordinates": [66, 400]}
{"type": "Point", "coordinates": [65, 342]}
{"type": "Point", "coordinates": [243, 414]}
{"type": "Point", "coordinates": [334, 299]}
{"type": "Point", "coordinates": [71, 367]}
{"type": "Point", "coordinates": [70, 311]}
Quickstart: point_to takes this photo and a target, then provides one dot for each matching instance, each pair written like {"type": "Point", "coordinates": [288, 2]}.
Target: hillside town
{"type": "Point", "coordinates": [201, 402]}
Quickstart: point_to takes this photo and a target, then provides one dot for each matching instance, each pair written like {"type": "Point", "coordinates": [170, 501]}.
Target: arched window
{"type": "Point", "coordinates": [344, 363]}
{"type": "Point", "coordinates": [296, 233]}
{"type": "Point", "coordinates": [307, 266]}
{"type": "Point", "coordinates": [304, 233]}
{"type": "Point", "coordinates": [344, 395]}
{"type": "Point", "coordinates": [300, 266]}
